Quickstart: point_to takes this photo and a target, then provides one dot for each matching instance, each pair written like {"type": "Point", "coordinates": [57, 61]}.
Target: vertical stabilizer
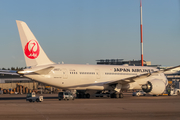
{"type": "Point", "coordinates": [33, 53]}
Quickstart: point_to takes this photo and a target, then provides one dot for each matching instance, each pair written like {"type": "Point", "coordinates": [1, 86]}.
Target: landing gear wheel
{"type": "Point", "coordinates": [81, 95]}
{"type": "Point", "coordinates": [87, 95]}
{"type": "Point", "coordinates": [37, 100]}
{"type": "Point", "coordinates": [30, 100]}
{"type": "Point", "coordinates": [121, 95]}
{"type": "Point", "coordinates": [113, 95]}
{"type": "Point", "coordinates": [117, 95]}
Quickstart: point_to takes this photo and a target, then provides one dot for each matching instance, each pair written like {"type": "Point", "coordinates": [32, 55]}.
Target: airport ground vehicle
{"type": "Point", "coordinates": [65, 96]}
{"type": "Point", "coordinates": [31, 97]}
{"type": "Point", "coordinates": [138, 93]}
{"type": "Point", "coordinates": [173, 91]}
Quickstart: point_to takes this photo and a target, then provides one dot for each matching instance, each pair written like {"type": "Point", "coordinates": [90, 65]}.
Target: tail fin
{"type": "Point", "coordinates": [33, 53]}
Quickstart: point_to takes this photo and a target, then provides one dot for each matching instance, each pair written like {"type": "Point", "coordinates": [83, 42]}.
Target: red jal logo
{"type": "Point", "coordinates": [31, 49]}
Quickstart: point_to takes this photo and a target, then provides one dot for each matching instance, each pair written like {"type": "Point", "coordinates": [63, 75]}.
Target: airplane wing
{"type": "Point", "coordinates": [138, 77]}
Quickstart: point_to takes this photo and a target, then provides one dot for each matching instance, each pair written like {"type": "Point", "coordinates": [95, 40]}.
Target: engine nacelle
{"type": "Point", "coordinates": [154, 87]}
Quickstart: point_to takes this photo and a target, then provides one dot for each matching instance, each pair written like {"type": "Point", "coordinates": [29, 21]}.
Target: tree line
{"type": "Point", "coordinates": [13, 68]}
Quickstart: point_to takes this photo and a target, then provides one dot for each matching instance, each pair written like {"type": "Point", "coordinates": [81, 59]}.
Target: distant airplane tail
{"type": "Point", "coordinates": [33, 53]}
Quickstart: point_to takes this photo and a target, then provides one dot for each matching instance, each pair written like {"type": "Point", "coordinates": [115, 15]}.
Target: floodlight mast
{"type": "Point", "coordinates": [141, 33]}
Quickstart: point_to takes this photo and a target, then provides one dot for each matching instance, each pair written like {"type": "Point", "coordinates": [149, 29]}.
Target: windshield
{"type": "Point", "coordinates": [29, 95]}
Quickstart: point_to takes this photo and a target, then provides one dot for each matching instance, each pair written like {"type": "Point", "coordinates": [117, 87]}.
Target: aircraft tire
{"type": "Point", "coordinates": [117, 95]}
{"type": "Point", "coordinates": [87, 95]}
{"type": "Point", "coordinates": [121, 95]}
{"type": "Point", "coordinates": [82, 95]}
{"type": "Point", "coordinates": [113, 95]}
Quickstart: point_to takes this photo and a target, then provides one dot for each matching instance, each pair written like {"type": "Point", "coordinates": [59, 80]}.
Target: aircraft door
{"type": "Point", "coordinates": [98, 75]}
{"type": "Point", "coordinates": [57, 73]}
{"type": "Point", "coordinates": [65, 74]}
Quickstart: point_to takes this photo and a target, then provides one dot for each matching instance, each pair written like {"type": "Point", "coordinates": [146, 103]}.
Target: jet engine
{"type": "Point", "coordinates": [154, 87]}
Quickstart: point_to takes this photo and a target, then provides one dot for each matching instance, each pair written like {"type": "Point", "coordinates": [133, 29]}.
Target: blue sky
{"type": "Point", "coordinates": [82, 31]}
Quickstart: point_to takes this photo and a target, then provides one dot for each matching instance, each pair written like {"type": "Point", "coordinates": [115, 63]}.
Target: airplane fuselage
{"type": "Point", "coordinates": [74, 76]}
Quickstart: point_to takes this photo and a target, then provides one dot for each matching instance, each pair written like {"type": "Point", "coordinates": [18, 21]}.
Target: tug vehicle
{"type": "Point", "coordinates": [173, 91]}
{"type": "Point", "coordinates": [65, 96]}
{"type": "Point", "coordinates": [31, 97]}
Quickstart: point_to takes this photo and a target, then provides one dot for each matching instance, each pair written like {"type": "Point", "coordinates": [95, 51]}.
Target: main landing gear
{"type": "Point", "coordinates": [117, 95]}
{"type": "Point", "coordinates": [117, 91]}
{"type": "Point", "coordinates": [112, 94]}
{"type": "Point", "coordinates": [83, 95]}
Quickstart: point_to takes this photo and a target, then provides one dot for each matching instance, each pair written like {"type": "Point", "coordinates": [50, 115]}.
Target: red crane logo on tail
{"type": "Point", "coordinates": [31, 49]}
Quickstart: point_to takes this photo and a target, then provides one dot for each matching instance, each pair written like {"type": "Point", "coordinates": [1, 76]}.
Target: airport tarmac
{"type": "Point", "coordinates": [128, 108]}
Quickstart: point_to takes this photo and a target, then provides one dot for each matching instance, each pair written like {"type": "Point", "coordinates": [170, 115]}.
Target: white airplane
{"type": "Point", "coordinates": [175, 71]}
{"type": "Point", "coordinates": [114, 78]}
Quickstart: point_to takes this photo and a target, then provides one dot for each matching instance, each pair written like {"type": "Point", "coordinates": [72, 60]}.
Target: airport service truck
{"type": "Point", "coordinates": [173, 91]}
{"type": "Point", "coordinates": [31, 97]}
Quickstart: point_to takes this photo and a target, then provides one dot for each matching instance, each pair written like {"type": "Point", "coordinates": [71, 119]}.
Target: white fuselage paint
{"type": "Point", "coordinates": [72, 76]}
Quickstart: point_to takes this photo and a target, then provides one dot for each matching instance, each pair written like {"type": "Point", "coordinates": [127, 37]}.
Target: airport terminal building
{"type": "Point", "coordinates": [22, 85]}
{"type": "Point", "coordinates": [122, 62]}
